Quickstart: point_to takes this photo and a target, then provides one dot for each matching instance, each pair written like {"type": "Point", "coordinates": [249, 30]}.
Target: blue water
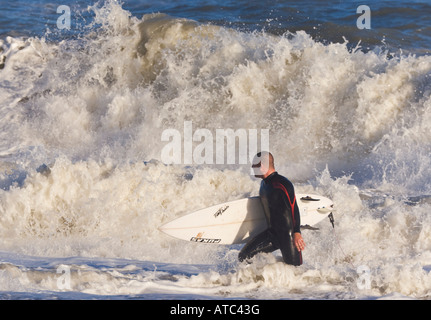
{"type": "Point", "coordinates": [83, 183]}
{"type": "Point", "coordinates": [399, 24]}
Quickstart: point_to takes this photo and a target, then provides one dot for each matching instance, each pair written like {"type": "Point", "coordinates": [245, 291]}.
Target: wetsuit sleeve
{"type": "Point", "coordinates": [297, 225]}
{"type": "Point", "coordinates": [288, 192]}
{"type": "Point", "coordinates": [294, 207]}
{"type": "Point", "coordinates": [292, 204]}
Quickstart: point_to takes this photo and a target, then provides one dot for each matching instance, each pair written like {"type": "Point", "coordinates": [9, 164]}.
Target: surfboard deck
{"type": "Point", "coordinates": [239, 220]}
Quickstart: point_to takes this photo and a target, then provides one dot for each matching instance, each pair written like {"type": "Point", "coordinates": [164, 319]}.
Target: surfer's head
{"type": "Point", "coordinates": [263, 164]}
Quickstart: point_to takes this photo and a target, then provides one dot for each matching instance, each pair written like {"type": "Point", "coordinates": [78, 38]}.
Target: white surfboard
{"type": "Point", "coordinates": [239, 220]}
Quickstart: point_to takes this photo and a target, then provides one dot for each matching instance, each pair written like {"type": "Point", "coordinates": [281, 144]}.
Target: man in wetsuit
{"type": "Point", "coordinates": [282, 215]}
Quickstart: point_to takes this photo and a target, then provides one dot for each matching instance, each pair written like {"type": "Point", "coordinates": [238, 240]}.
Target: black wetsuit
{"type": "Point", "coordinates": [282, 214]}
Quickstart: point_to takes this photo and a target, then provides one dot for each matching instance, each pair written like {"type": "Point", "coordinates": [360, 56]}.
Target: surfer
{"type": "Point", "coordinates": [282, 214]}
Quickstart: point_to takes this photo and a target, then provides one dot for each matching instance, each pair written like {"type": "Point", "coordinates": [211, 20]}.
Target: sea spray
{"type": "Point", "coordinates": [347, 123]}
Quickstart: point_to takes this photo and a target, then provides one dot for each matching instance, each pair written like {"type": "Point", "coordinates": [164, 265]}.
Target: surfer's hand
{"type": "Point", "coordinates": [298, 241]}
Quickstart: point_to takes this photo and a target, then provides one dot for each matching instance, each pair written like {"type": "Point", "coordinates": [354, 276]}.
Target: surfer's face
{"type": "Point", "coordinates": [260, 170]}
{"type": "Point", "coordinates": [256, 170]}
{"type": "Point", "coordinates": [262, 165]}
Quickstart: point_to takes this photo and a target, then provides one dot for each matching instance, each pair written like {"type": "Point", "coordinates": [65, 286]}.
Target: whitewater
{"type": "Point", "coordinates": [83, 188]}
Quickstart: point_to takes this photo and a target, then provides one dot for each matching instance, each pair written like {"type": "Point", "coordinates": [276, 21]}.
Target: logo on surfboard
{"type": "Point", "coordinates": [220, 211]}
{"type": "Point", "coordinates": [199, 238]}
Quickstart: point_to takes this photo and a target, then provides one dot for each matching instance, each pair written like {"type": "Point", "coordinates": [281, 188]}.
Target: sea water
{"type": "Point", "coordinates": [87, 91]}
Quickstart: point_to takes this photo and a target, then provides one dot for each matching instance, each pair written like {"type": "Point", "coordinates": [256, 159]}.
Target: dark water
{"type": "Point", "coordinates": [397, 24]}
{"type": "Point", "coordinates": [92, 103]}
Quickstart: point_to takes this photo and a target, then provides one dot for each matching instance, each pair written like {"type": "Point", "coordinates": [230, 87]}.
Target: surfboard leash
{"type": "Point", "coordinates": [331, 219]}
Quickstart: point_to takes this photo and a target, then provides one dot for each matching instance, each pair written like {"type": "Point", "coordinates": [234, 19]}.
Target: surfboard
{"type": "Point", "coordinates": [239, 220]}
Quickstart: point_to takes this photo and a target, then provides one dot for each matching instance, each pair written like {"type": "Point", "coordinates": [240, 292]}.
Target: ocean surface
{"type": "Point", "coordinates": [88, 90]}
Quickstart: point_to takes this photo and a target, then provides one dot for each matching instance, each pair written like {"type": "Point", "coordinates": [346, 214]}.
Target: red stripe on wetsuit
{"type": "Point", "coordinates": [278, 185]}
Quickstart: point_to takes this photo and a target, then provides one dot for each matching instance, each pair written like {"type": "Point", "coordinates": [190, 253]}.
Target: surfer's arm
{"type": "Point", "coordinates": [297, 219]}
{"type": "Point", "coordinates": [298, 241]}
{"type": "Point", "coordinates": [293, 206]}
{"type": "Point", "coordinates": [297, 237]}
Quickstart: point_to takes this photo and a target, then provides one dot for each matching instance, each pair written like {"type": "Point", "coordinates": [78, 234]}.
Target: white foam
{"type": "Point", "coordinates": [350, 125]}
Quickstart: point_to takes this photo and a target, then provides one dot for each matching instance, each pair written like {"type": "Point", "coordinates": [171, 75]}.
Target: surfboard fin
{"type": "Point", "coordinates": [308, 198]}
{"type": "Point", "coordinates": [308, 227]}
{"type": "Point", "coordinates": [331, 219]}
